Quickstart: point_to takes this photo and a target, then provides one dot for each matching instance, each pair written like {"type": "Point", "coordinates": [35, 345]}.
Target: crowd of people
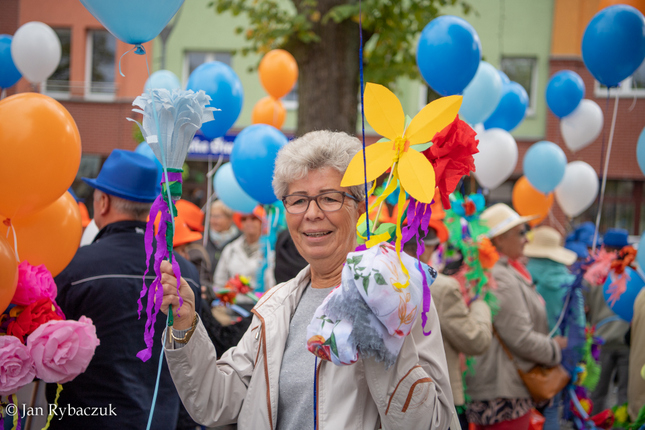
{"type": "Point", "coordinates": [236, 354]}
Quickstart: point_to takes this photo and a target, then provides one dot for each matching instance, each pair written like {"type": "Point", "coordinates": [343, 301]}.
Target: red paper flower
{"type": "Point", "coordinates": [451, 155]}
{"type": "Point", "coordinates": [32, 317]}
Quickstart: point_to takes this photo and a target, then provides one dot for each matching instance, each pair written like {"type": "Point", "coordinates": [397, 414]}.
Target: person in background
{"type": "Point", "coordinates": [193, 250]}
{"type": "Point", "coordinates": [614, 352]}
{"type": "Point", "coordinates": [636, 384]}
{"type": "Point", "coordinates": [465, 329]}
{"type": "Point", "coordinates": [222, 231]}
{"type": "Point", "coordinates": [103, 282]}
{"type": "Point", "coordinates": [244, 257]}
{"type": "Point", "coordinates": [500, 400]}
{"type": "Point", "coordinates": [547, 264]}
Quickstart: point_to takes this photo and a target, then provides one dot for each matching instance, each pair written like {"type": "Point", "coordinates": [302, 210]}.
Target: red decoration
{"type": "Point", "coordinates": [31, 317]}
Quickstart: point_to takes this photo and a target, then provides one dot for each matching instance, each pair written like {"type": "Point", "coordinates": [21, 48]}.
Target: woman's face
{"type": "Point", "coordinates": [512, 242]}
{"type": "Point", "coordinates": [220, 221]}
{"type": "Point", "coordinates": [323, 237]}
{"type": "Point", "coordinates": [251, 228]}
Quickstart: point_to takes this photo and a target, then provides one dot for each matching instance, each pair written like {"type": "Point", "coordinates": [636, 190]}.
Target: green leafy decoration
{"type": "Point", "coordinates": [380, 280]}
{"type": "Point", "coordinates": [366, 283]}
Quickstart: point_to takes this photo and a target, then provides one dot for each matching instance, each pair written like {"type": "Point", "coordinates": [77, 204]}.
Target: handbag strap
{"type": "Point", "coordinates": [505, 348]}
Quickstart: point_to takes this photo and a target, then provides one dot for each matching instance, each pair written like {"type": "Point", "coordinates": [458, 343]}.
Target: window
{"type": "Point", "coordinates": [622, 207]}
{"type": "Point", "coordinates": [99, 76]}
{"type": "Point", "coordinates": [194, 59]}
{"type": "Point", "coordinates": [634, 86]}
{"type": "Point", "coordinates": [523, 70]}
{"type": "Point", "coordinates": [57, 85]}
{"type": "Point", "coordinates": [290, 101]}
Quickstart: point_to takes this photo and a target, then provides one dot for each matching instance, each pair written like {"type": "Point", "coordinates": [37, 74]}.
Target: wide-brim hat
{"type": "Point", "coordinates": [440, 228]}
{"type": "Point", "coordinates": [500, 218]}
{"type": "Point", "coordinates": [191, 213]}
{"type": "Point", "coordinates": [128, 175]}
{"type": "Point", "coordinates": [183, 234]}
{"type": "Point", "coordinates": [545, 242]}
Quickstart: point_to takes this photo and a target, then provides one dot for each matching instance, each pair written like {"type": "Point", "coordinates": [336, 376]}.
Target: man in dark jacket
{"type": "Point", "coordinates": [104, 282]}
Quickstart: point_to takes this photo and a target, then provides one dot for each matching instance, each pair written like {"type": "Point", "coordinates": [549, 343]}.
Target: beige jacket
{"type": "Point", "coordinates": [463, 330]}
{"type": "Point", "coordinates": [636, 384]}
{"type": "Point", "coordinates": [522, 324]}
{"type": "Point", "coordinates": [243, 387]}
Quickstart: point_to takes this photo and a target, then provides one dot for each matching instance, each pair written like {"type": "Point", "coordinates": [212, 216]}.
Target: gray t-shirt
{"type": "Point", "coordinates": [296, 397]}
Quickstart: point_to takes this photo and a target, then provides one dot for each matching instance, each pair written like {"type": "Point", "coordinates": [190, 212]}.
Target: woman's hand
{"type": "Point", "coordinates": [184, 319]}
{"type": "Point", "coordinates": [561, 341]}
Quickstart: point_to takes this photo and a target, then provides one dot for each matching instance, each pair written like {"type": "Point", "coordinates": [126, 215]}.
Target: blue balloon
{"type": "Point", "coordinates": [228, 190]}
{"type": "Point", "coordinates": [544, 164]}
{"type": "Point", "coordinates": [482, 94]}
{"type": "Point", "coordinates": [133, 21]}
{"type": "Point", "coordinates": [564, 92]}
{"type": "Point", "coordinates": [448, 54]}
{"type": "Point", "coordinates": [144, 149]}
{"type": "Point", "coordinates": [9, 73]}
{"type": "Point", "coordinates": [511, 109]}
{"type": "Point", "coordinates": [624, 306]}
{"type": "Point", "coordinates": [223, 86]}
{"type": "Point", "coordinates": [163, 79]}
{"type": "Point", "coordinates": [640, 156]}
{"type": "Point", "coordinates": [613, 45]}
{"type": "Point", "coordinates": [253, 160]}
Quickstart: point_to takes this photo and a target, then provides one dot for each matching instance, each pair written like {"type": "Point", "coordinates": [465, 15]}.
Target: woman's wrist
{"type": "Point", "coordinates": [185, 321]}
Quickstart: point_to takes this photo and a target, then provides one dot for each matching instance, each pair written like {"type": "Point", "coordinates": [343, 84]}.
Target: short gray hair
{"type": "Point", "coordinates": [137, 210]}
{"type": "Point", "coordinates": [315, 150]}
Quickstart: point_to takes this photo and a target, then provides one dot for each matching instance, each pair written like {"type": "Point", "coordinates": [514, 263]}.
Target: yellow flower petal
{"type": "Point", "coordinates": [380, 157]}
{"type": "Point", "coordinates": [383, 111]}
{"type": "Point", "coordinates": [432, 119]}
{"type": "Point", "coordinates": [417, 176]}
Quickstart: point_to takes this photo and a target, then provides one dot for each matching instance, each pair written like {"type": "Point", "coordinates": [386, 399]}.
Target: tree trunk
{"type": "Point", "coordinates": [328, 79]}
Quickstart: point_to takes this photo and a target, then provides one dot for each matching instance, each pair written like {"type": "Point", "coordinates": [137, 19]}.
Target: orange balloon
{"type": "Point", "coordinates": [528, 201]}
{"type": "Point", "coordinates": [638, 4]}
{"type": "Point", "coordinates": [50, 236]}
{"type": "Point", "coordinates": [278, 72]}
{"type": "Point", "coordinates": [8, 273]}
{"type": "Point", "coordinates": [40, 151]}
{"type": "Point", "coordinates": [269, 111]}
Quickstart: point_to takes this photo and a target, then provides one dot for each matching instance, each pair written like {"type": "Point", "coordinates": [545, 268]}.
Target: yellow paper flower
{"type": "Point", "coordinates": [384, 113]}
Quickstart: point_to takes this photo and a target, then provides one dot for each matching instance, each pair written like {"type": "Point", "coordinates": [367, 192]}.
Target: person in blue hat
{"type": "Point", "coordinates": [614, 353]}
{"type": "Point", "coordinates": [103, 282]}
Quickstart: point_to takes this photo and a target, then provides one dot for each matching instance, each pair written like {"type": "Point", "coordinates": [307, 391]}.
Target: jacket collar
{"type": "Point", "coordinates": [287, 291]}
{"type": "Point", "coordinates": [138, 227]}
{"type": "Point", "coordinates": [503, 261]}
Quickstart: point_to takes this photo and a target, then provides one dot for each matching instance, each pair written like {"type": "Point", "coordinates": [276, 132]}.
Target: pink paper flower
{"type": "Point", "coordinates": [62, 350]}
{"type": "Point", "coordinates": [34, 282]}
{"type": "Point", "coordinates": [16, 365]}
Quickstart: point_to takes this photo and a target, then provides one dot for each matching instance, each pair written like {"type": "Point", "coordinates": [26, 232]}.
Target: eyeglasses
{"type": "Point", "coordinates": [329, 201]}
{"type": "Point", "coordinates": [248, 218]}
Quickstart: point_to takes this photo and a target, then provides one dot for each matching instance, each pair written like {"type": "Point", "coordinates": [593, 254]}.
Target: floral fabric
{"type": "Point", "coordinates": [367, 314]}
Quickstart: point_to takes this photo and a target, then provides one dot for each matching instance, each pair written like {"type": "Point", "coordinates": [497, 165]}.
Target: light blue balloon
{"type": "Point", "coordinates": [613, 45]}
{"type": "Point", "coordinates": [511, 109]}
{"type": "Point", "coordinates": [253, 159]}
{"type": "Point", "coordinates": [482, 94]}
{"type": "Point", "coordinates": [224, 87]}
{"type": "Point", "coordinates": [504, 76]}
{"type": "Point", "coordinates": [228, 190]}
{"type": "Point", "coordinates": [9, 73]}
{"type": "Point", "coordinates": [640, 256]}
{"type": "Point", "coordinates": [640, 156]}
{"type": "Point", "coordinates": [163, 79]}
{"type": "Point", "coordinates": [544, 165]}
{"type": "Point", "coordinates": [624, 306]}
{"type": "Point", "coordinates": [133, 21]}
{"type": "Point", "coordinates": [448, 54]}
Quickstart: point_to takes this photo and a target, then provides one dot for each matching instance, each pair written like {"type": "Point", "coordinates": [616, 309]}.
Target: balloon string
{"type": "Point", "coordinates": [360, 55]}
{"type": "Point", "coordinates": [139, 50]}
{"type": "Point", "coordinates": [9, 225]}
{"type": "Point", "coordinates": [605, 171]}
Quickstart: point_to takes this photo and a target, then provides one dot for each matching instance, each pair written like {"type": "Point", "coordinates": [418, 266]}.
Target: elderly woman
{"type": "Point", "coordinates": [500, 400]}
{"type": "Point", "coordinates": [270, 380]}
{"type": "Point", "coordinates": [222, 231]}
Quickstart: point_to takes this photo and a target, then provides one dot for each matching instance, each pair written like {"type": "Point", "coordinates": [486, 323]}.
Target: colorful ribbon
{"type": "Point", "coordinates": [164, 236]}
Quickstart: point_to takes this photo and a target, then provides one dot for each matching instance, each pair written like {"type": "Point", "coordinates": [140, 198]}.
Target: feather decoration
{"type": "Point", "coordinates": [170, 120]}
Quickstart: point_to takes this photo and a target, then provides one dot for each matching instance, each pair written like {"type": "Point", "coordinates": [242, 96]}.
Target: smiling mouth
{"type": "Point", "coordinates": [318, 234]}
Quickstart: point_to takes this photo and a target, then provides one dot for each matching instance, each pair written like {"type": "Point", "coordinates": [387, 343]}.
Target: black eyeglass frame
{"type": "Point", "coordinates": [315, 198]}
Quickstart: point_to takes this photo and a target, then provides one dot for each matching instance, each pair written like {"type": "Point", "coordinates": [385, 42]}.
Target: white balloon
{"type": "Point", "coordinates": [496, 159]}
{"type": "Point", "coordinates": [578, 189]}
{"type": "Point", "coordinates": [582, 126]}
{"type": "Point", "coordinates": [36, 51]}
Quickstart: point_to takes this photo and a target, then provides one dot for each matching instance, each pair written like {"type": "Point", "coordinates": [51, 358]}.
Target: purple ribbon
{"type": "Point", "coordinates": [155, 291]}
{"type": "Point", "coordinates": [419, 216]}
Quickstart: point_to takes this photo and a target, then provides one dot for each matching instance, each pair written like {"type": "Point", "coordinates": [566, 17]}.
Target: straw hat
{"type": "Point", "coordinates": [546, 243]}
{"type": "Point", "coordinates": [500, 218]}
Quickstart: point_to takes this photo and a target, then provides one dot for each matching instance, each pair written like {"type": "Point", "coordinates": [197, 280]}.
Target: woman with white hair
{"type": "Point", "coordinates": [500, 400]}
{"type": "Point", "coordinates": [270, 380]}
